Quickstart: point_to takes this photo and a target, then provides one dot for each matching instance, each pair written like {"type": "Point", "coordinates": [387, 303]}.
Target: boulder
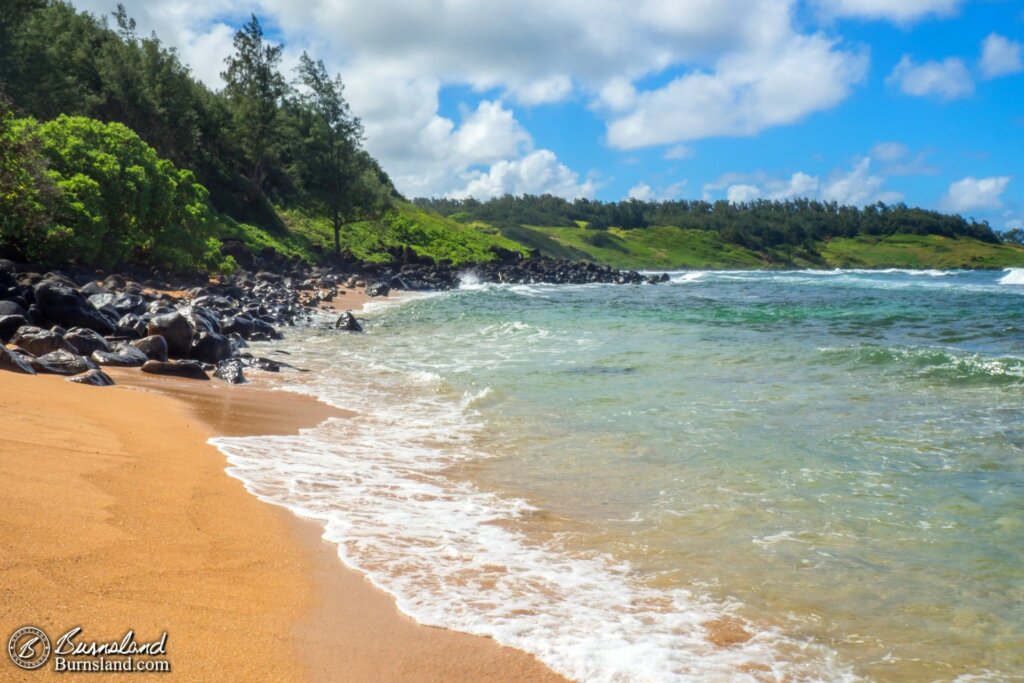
{"type": "Point", "coordinates": [12, 308]}
{"type": "Point", "coordinates": [242, 325]}
{"type": "Point", "coordinates": [38, 341]}
{"type": "Point", "coordinates": [93, 378]}
{"type": "Point", "coordinates": [154, 346]}
{"type": "Point", "coordinates": [176, 330]}
{"type": "Point", "coordinates": [123, 356]}
{"type": "Point", "coordinates": [129, 303]}
{"type": "Point", "coordinates": [85, 341]}
{"type": "Point", "coordinates": [131, 326]}
{"type": "Point", "coordinates": [347, 321]}
{"type": "Point", "coordinates": [230, 371]}
{"type": "Point", "coordinates": [188, 369]}
{"type": "Point", "coordinates": [9, 324]}
{"type": "Point", "coordinates": [378, 289]}
{"type": "Point", "coordinates": [12, 362]}
{"type": "Point", "coordinates": [202, 319]}
{"type": "Point", "coordinates": [210, 347]}
{"type": "Point", "coordinates": [61, 363]}
{"type": "Point", "coordinates": [62, 304]}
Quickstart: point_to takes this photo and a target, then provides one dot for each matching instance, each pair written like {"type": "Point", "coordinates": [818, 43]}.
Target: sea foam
{"type": "Point", "coordinates": [456, 556]}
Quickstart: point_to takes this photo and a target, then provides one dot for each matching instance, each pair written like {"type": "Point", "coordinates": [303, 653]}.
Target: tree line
{"type": "Point", "coordinates": [266, 139]}
{"type": "Point", "coordinates": [758, 225]}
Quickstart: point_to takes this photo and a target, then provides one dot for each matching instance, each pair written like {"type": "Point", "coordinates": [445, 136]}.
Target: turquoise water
{"type": "Point", "coordinates": [833, 462]}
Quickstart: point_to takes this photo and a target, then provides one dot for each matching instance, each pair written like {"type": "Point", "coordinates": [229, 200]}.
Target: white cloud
{"type": "Point", "coordinates": [679, 152]}
{"type": "Point", "coordinates": [740, 66]}
{"type": "Point", "coordinates": [641, 191]}
{"type": "Point", "coordinates": [858, 187]}
{"type": "Point", "coordinates": [890, 151]}
{"type": "Point", "coordinates": [773, 84]}
{"type": "Point", "coordinates": [646, 193]}
{"type": "Point", "coordinates": [975, 193]}
{"type": "Point", "coordinates": [946, 80]}
{"type": "Point", "coordinates": [1000, 56]}
{"type": "Point", "coordinates": [539, 172]}
{"type": "Point", "coordinates": [899, 11]}
{"type": "Point", "coordinates": [737, 194]}
{"type": "Point", "coordinates": [897, 159]}
{"type": "Point", "coordinates": [798, 185]}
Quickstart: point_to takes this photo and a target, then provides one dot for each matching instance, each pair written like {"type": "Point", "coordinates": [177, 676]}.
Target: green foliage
{"type": "Point", "coordinates": [426, 233]}
{"type": "Point", "coordinates": [114, 201]}
{"type": "Point", "coordinates": [27, 192]}
{"type": "Point", "coordinates": [255, 90]}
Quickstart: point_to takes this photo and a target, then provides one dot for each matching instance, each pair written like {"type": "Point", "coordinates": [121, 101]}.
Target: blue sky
{"type": "Point", "coordinates": [858, 101]}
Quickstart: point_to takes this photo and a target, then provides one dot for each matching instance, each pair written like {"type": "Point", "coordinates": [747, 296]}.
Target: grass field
{"type": "Point", "coordinates": [649, 248]}
{"type": "Point", "coordinates": [919, 251]}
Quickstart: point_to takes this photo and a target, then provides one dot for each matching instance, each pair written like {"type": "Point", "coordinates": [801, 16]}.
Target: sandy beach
{"type": "Point", "coordinates": [117, 514]}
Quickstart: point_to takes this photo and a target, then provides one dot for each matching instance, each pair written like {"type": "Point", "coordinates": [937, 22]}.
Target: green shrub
{"type": "Point", "coordinates": [114, 201]}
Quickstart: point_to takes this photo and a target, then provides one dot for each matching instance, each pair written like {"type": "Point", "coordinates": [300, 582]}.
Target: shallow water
{"type": "Point", "coordinates": [832, 459]}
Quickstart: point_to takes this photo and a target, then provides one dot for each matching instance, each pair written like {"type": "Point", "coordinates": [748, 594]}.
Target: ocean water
{"type": "Point", "coordinates": [825, 466]}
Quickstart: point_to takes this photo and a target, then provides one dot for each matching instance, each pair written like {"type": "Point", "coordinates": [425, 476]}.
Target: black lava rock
{"type": "Point", "coordinates": [85, 341]}
{"type": "Point", "coordinates": [154, 346]}
{"type": "Point", "coordinates": [12, 362]}
{"type": "Point", "coordinates": [61, 363]}
{"type": "Point", "coordinates": [38, 341]}
{"type": "Point", "coordinates": [230, 371]}
{"type": "Point", "coordinates": [63, 304]}
{"type": "Point", "coordinates": [347, 321]}
{"type": "Point", "coordinates": [189, 369]}
{"type": "Point", "coordinates": [94, 378]}
{"type": "Point", "coordinates": [176, 330]}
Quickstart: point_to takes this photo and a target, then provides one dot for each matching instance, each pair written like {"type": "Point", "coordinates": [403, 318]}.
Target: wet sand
{"type": "Point", "coordinates": [115, 513]}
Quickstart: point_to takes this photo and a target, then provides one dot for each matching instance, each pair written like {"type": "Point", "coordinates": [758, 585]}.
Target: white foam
{"type": "Point", "coordinates": [456, 556]}
{"type": "Point", "coordinates": [1014, 276]}
{"type": "Point", "coordinates": [690, 276]}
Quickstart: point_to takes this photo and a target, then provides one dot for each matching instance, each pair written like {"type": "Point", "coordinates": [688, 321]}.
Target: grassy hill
{"type": "Point", "coordinates": [671, 248]}
{"type": "Point", "coordinates": [920, 251]}
{"type": "Point", "coordinates": [311, 238]}
{"type": "Point", "coordinates": [648, 248]}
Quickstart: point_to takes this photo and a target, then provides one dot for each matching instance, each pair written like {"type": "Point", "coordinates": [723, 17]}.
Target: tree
{"type": "Point", "coordinates": [255, 90]}
{"type": "Point", "coordinates": [328, 158]}
{"type": "Point", "coordinates": [116, 201]}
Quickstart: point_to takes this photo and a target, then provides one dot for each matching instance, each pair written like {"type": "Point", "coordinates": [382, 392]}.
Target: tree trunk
{"type": "Point", "coordinates": [337, 234]}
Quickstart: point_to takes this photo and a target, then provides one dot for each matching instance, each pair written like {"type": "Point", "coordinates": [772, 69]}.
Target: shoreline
{"type": "Point", "coordinates": [244, 589]}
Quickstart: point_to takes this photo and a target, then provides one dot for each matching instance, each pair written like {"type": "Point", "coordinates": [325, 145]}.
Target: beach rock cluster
{"type": "Point", "coordinates": [74, 323]}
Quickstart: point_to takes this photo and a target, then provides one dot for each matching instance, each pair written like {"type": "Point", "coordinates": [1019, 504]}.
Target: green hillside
{"type": "Point", "coordinates": [920, 251]}
{"type": "Point", "coordinates": [650, 248]}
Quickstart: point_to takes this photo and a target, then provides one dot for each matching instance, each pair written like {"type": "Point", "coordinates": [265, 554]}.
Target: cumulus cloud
{"type": "Point", "coordinates": [899, 11]}
{"type": "Point", "coordinates": [947, 80]}
{"type": "Point", "coordinates": [739, 188]}
{"type": "Point", "coordinates": [734, 67]}
{"type": "Point", "coordinates": [858, 186]}
{"type": "Point", "coordinates": [1000, 56]}
{"type": "Point", "coordinates": [641, 191]}
{"type": "Point", "coordinates": [772, 84]}
{"type": "Point", "coordinates": [539, 172]}
{"type": "Point", "coordinates": [973, 193]}
{"type": "Point", "coordinates": [646, 193]}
